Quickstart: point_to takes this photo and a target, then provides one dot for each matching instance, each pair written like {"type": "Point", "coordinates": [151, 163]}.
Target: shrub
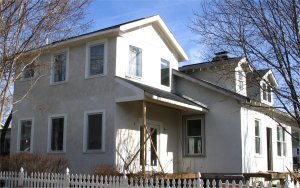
{"type": "Point", "coordinates": [106, 170]}
{"type": "Point", "coordinates": [33, 163]}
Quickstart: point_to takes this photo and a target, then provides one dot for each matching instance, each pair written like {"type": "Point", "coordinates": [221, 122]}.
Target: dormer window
{"type": "Point", "coordinates": [240, 81]}
{"type": "Point", "coordinates": [267, 93]}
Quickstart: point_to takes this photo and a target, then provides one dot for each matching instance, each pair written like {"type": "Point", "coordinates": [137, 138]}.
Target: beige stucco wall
{"type": "Point", "coordinates": [223, 149]}
{"type": "Point", "coordinates": [72, 98]}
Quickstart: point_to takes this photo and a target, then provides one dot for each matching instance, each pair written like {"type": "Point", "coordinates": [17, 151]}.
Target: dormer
{"type": "Point", "coordinates": [224, 71]}
{"type": "Point", "coordinates": [261, 84]}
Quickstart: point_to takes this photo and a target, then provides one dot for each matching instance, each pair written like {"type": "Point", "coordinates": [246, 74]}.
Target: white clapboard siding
{"type": "Point", "coordinates": [50, 180]}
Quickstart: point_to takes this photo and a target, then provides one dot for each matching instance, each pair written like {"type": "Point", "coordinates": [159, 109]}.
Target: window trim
{"type": "Point", "coordinates": [266, 91]}
{"type": "Point", "coordinates": [127, 74]}
{"type": "Point", "coordinates": [282, 142]}
{"type": "Point", "coordinates": [23, 71]}
{"type": "Point", "coordinates": [87, 58]}
{"type": "Point", "coordinates": [19, 134]}
{"type": "Point", "coordinates": [260, 136]}
{"type": "Point", "coordinates": [164, 59]}
{"type": "Point", "coordinates": [194, 117]}
{"type": "Point", "coordinates": [50, 133]}
{"type": "Point", "coordinates": [85, 131]}
{"type": "Point", "coordinates": [52, 66]}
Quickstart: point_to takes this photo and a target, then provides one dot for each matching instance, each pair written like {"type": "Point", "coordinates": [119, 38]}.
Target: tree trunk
{"type": "Point", "coordinates": [3, 133]}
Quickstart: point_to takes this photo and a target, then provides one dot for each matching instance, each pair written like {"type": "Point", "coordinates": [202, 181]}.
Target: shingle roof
{"type": "Point", "coordinates": [100, 30]}
{"type": "Point", "coordinates": [211, 63]}
{"type": "Point", "coordinates": [257, 74]}
{"type": "Point", "coordinates": [164, 94]}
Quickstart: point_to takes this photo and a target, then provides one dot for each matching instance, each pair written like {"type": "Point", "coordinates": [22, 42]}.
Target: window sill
{"type": "Point", "coordinates": [95, 76]}
{"type": "Point", "coordinates": [256, 155]}
{"type": "Point", "coordinates": [133, 77]}
{"type": "Point", "coordinates": [26, 79]}
{"type": "Point", "coordinates": [193, 156]}
{"type": "Point", "coordinates": [56, 152]}
{"type": "Point", "coordinates": [93, 151]}
{"type": "Point", "coordinates": [58, 83]}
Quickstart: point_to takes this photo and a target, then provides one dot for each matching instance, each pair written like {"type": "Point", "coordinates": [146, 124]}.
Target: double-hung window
{"type": "Point", "coordinates": [28, 71]}
{"type": "Point", "coordinates": [257, 137]}
{"type": "Point", "coordinates": [135, 62]}
{"type": "Point", "coordinates": [95, 59]}
{"type": "Point", "coordinates": [25, 135]}
{"type": "Point", "coordinates": [281, 141]}
{"type": "Point", "coordinates": [57, 133]}
{"type": "Point", "coordinates": [165, 72]}
{"type": "Point", "coordinates": [194, 136]}
{"type": "Point", "coordinates": [94, 131]}
{"type": "Point", "coordinates": [59, 67]}
{"type": "Point", "coordinates": [267, 92]}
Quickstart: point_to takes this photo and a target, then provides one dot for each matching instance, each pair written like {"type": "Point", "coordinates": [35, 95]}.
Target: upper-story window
{"type": "Point", "coordinates": [95, 59]}
{"type": "Point", "coordinates": [28, 71]}
{"type": "Point", "coordinates": [165, 72]}
{"type": "Point", "coordinates": [267, 92]}
{"type": "Point", "coordinates": [59, 67]}
{"type": "Point", "coordinates": [135, 62]}
{"type": "Point", "coordinates": [240, 80]}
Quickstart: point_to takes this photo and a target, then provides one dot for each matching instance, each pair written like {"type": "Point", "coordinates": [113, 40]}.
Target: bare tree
{"type": "Point", "coordinates": [265, 32]}
{"type": "Point", "coordinates": [25, 27]}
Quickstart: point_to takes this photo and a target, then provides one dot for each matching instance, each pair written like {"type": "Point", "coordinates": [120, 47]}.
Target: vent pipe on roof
{"type": "Point", "coordinates": [223, 55]}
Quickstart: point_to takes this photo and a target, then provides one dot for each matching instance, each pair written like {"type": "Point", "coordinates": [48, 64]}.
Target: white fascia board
{"type": "Point", "coordinates": [157, 19]}
{"type": "Point", "coordinates": [270, 73]}
{"type": "Point", "coordinates": [176, 103]}
{"type": "Point", "coordinates": [244, 61]}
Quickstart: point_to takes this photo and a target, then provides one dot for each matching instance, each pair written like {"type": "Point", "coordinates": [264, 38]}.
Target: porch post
{"type": "Point", "coordinates": [144, 136]}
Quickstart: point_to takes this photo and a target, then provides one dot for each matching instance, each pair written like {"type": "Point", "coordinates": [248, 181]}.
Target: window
{"type": "Point", "coordinates": [267, 92]}
{"type": "Point", "coordinates": [25, 135]}
{"type": "Point", "coordinates": [59, 68]}
{"type": "Point", "coordinates": [94, 131]}
{"type": "Point", "coordinates": [257, 137]}
{"type": "Point", "coordinates": [57, 134]}
{"type": "Point", "coordinates": [194, 136]}
{"type": "Point", "coordinates": [135, 62]}
{"type": "Point", "coordinates": [28, 71]}
{"type": "Point", "coordinates": [165, 72]}
{"type": "Point", "coordinates": [281, 142]}
{"type": "Point", "coordinates": [240, 80]}
{"type": "Point", "coordinates": [95, 59]}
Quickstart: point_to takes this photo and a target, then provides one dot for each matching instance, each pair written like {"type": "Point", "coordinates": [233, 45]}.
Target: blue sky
{"type": "Point", "coordinates": [177, 14]}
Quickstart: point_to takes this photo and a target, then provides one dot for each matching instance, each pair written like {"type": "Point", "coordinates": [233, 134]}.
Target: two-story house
{"type": "Point", "coordinates": [96, 91]}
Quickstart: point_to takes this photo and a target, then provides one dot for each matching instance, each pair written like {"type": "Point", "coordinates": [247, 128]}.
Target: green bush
{"type": "Point", "coordinates": [34, 163]}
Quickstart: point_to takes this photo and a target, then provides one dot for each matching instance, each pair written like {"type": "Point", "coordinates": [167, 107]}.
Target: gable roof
{"type": "Point", "coordinates": [156, 21]}
{"type": "Point", "coordinates": [229, 61]}
{"type": "Point", "coordinates": [165, 94]}
{"type": "Point", "coordinates": [263, 74]}
{"type": "Point", "coordinates": [211, 86]}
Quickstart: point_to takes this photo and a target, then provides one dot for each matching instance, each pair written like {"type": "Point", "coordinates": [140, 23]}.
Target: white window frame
{"type": "Point", "coordinates": [266, 92]}
{"type": "Point", "coordinates": [52, 67]}
{"type": "Point", "coordinates": [85, 131]}
{"type": "Point", "coordinates": [24, 70]}
{"type": "Point", "coordinates": [87, 58]}
{"type": "Point", "coordinates": [185, 148]}
{"type": "Point", "coordinates": [128, 63]}
{"type": "Point", "coordinates": [164, 59]}
{"type": "Point", "coordinates": [50, 132]}
{"type": "Point", "coordinates": [259, 136]}
{"type": "Point", "coordinates": [282, 141]}
{"type": "Point", "coordinates": [19, 134]}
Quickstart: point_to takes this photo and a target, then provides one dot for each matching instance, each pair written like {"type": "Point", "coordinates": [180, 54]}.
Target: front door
{"type": "Point", "coordinates": [152, 149]}
{"type": "Point", "coordinates": [269, 149]}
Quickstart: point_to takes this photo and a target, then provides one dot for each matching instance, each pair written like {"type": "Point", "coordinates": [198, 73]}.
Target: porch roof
{"type": "Point", "coordinates": [168, 98]}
